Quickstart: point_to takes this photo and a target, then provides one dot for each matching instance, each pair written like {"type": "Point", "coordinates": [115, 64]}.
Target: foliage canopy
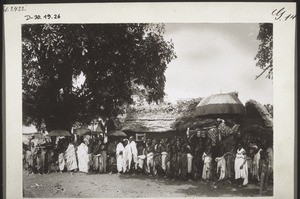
{"type": "Point", "coordinates": [110, 58]}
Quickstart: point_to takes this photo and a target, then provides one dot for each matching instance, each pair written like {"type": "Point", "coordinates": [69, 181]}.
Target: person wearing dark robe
{"type": "Point", "coordinates": [157, 157]}
{"type": "Point", "coordinates": [103, 159]}
{"type": "Point", "coordinates": [61, 147]}
{"type": "Point", "coordinates": [263, 172]}
{"type": "Point", "coordinates": [111, 153]}
{"type": "Point", "coordinates": [169, 166]}
{"type": "Point", "coordinates": [197, 160]}
{"type": "Point", "coordinates": [91, 144]}
{"type": "Point", "coordinates": [40, 160]}
{"type": "Point", "coordinates": [182, 163]}
{"type": "Point", "coordinates": [96, 155]}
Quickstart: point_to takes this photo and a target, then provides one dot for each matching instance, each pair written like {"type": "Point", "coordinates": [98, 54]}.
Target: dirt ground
{"type": "Point", "coordinates": [79, 185]}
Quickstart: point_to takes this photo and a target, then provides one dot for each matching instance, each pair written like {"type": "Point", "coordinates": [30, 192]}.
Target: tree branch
{"type": "Point", "coordinates": [263, 72]}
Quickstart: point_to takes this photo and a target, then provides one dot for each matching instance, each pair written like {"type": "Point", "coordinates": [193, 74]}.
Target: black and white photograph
{"type": "Point", "coordinates": [154, 107]}
{"type": "Point", "coordinates": [147, 110]}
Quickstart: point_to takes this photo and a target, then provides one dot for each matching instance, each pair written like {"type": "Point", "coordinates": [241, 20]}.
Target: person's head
{"type": "Point", "coordinates": [131, 138]}
{"type": "Point", "coordinates": [102, 146]}
{"type": "Point", "coordinates": [85, 141]}
{"type": "Point", "coordinates": [99, 141]}
{"type": "Point", "coordinates": [154, 141]}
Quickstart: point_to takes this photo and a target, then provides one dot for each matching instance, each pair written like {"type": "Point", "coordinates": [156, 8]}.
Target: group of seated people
{"type": "Point", "coordinates": [175, 158]}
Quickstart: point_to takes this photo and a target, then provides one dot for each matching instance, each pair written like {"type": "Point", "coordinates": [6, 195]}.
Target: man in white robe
{"type": "Point", "coordinates": [119, 155]}
{"type": "Point", "coordinates": [133, 151]}
{"type": "Point", "coordinates": [127, 155]}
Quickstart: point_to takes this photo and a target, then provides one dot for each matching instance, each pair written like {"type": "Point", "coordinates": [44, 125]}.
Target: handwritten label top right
{"type": "Point", "coordinates": [283, 15]}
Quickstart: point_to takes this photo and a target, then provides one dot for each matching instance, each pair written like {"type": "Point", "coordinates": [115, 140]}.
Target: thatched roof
{"type": "Point", "coordinates": [150, 118]}
{"type": "Point", "coordinates": [256, 110]}
{"type": "Point", "coordinates": [163, 117]}
{"type": "Point", "coordinates": [166, 117]}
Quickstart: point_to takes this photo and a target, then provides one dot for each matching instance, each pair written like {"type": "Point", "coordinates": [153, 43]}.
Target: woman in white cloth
{"type": "Point", "coordinates": [119, 155]}
{"type": "Point", "coordinates": [70, 156]}
{"type": "Point", "coordinates": [82, 155]}
{"type": "Point", "coordinates": [127, 155]}
{"type": "Point", "coordinates": [240, 166]}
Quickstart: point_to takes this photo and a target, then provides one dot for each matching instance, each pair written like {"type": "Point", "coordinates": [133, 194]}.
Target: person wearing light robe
{"type": "Point", "coordinates": [83, 158]}
{"type": "Point", "coordinates": [164, 154]}
{"type": "Point", "coordinates": [207, 161]}
{"type": "Point", "coordinates": [255, 164]}
{"type": "Point", "coordinates": [149, 156]}
{"type": "Point", "coordinates": [70, 156]}
{"type": "Point", "coordinates": [119, 155]}
{"type": "Point", "coordinates": [241, 167]}
{"type": "Point", "coordinates": [134, 152]}
{"type": "Point", "coordinates": [127, 155]}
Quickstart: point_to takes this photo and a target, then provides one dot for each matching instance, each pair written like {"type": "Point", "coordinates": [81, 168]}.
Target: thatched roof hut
{"type": "Point", "coordinates": [257, 114]}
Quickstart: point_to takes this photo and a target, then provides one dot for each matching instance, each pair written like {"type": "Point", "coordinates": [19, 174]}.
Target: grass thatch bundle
{"type": "Point", "coordinates": [256, 110]}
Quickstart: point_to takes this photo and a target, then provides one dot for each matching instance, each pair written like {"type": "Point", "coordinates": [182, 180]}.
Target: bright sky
{"type": "Point", "coordinates": [215, 58]}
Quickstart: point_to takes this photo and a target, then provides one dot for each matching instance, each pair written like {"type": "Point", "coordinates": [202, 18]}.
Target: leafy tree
{"type": "Point", "coordinates": [110, 58]}
{"type": "Point", "coordinates": [264, 56]}
{"type": "Point", "coordinates": [269, 108]}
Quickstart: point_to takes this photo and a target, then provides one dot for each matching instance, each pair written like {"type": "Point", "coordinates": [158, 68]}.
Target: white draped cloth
{"type": "Point", "coordinates": [83, 158]}
{"type": "Point", "coordinates": [206, 172]}
{"type": "Point", "coordinates": [189, 161]}
{"type": "Point", "coordinates": [239, 160]}
{"type": "Point", "coordinates": [150, 162]}
{"type": "Point", "coordinates": [70, 156]}
{"type": "Point", "coordinates": [255, 164]}
{"type": "Point", "coordinates": [127, 157]}
{"type": "Point", "coordinates": [119, 154]}
{"type": "Point", "coordinates": [134, 153]}
{"type": "Point", "coordinates": [221, 167]}
{"type": "Point", "coordinates": [163, 160]}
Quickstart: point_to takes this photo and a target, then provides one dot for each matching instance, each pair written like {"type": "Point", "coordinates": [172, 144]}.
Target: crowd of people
{"type": "Point", "coordinates": [198, 158]}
